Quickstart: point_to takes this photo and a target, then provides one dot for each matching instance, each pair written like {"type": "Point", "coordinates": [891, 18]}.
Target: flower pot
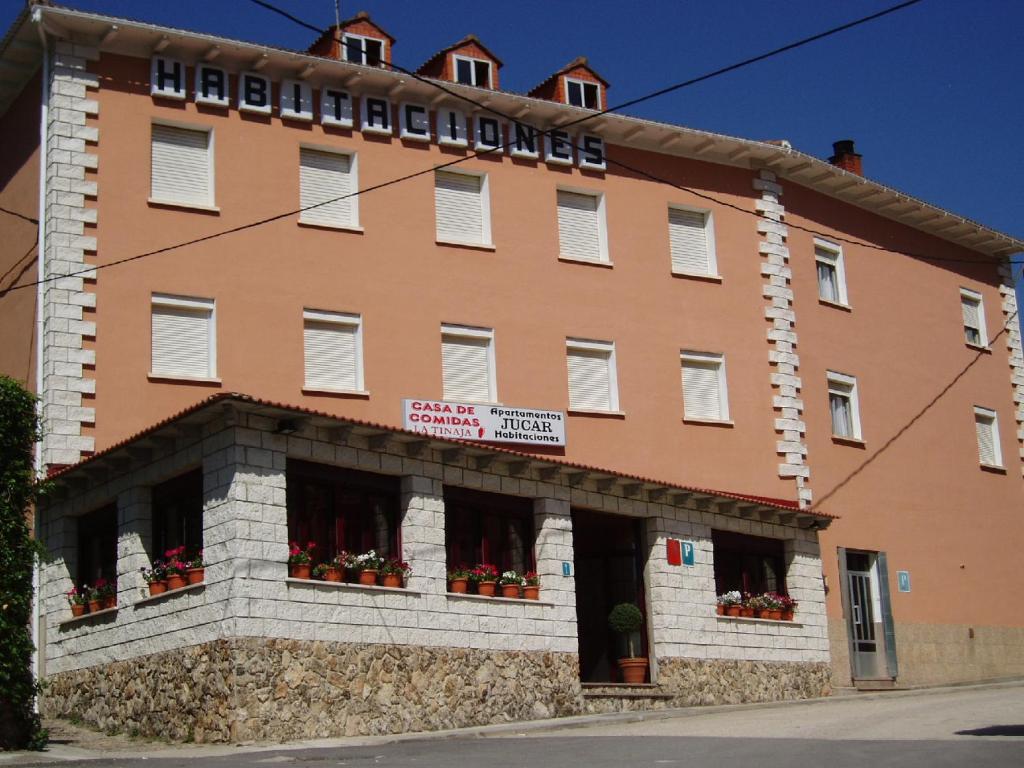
{"type": "Point", "coordinates": [459, 586]}
{"type": "Point", "coordinates": [747, 613]}
{"type": "Point", "coordinates": [720, 609]}
{"type": "Point", "coordinates": [392, 580]}
{"type": "Point", "coordinates": [486, 588]}
{"type": "Point", "coordinates": [300, 570]}
{"type": "Point", "coordinates": [195, 575]}
{"type": "Point", "coordinates": [157, 587]}
{"type": "Point", "coordinates": [176, 581]}
{"type": "Point", "coordinates": [77, 609]}
{"type": "Point", "coordinates": [531, 593]}
{"type": "Point", "coordinates": [774, 615]}
{"type": "Point", "coordinates": [763, 613]}
{"type": "Point", "coordinates": [332, 574]}
{"type": "Point", "coordinates": [95, 605]}
{"type": "Point", "coordinates": [634, 671]}
{"type": "Point", "coordinates": [787, 615]}
{"type": "Point", "coordinates": [510, 590]}
{"type": "Point", "coordinates": [368, 577]}
{"type": "Point", "coordinates": [733, 610]}
{"type": "Point", "coordinates": [110, 601]}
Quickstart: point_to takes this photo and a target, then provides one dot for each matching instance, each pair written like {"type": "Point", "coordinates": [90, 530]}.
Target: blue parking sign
{"type": "Point", "coordinates": [688, 549]}
{"type": "Point", "coordinates": [903, 580]}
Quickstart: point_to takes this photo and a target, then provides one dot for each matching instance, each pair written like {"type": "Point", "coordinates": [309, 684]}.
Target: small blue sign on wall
{"type": "Point", "coordinates": [903, 580]}
{"type": "Point", "coordinates": [688, 549]}
{"type": "Point", "coordinates": [566, 569]}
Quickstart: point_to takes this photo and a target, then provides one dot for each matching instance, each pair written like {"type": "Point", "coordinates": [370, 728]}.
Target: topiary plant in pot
{"type": "Point", "coordinates": [626, 619]}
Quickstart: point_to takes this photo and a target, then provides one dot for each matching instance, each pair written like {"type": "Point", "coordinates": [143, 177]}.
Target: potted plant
{"type": "Point", "coordinates": [196, 570]}
{"type": "Point", "coordinates": [626, 619]}
{"type": "Point", "coordinates": [485, 576]}
{"type": "Point", "coordinates": [511, 583]}
{"type": "Point", "coordinates": [458, 579]}
{"type": "Point", "coordinates": [108, 593]}
{"type": "Point", "coordinates": [93, 597]}
{"type": "Point", "coordinates": [344, 561]}
{"type": "Point", "coordinates": [788, 607]}
{"type": "Point", "coordinates": [331, 571]}
{"type": "Point", "coordinates": [771, 606]}
{"type": "Point", "coordinates": [77, 600]}
{"type": "Point", "coordinates": [368, 565]}
{"type": "Point", "coordinates": [730, 603]}
{"type": "Point", "coordinates": [753, 605]}
{"type": "Point", "coordinates": [531, 586]}
{"type": "Point", "coordinates": [155, 577]}
{"type": "Point", "coordinates": [176, 568]}
{"type": "Point", "coordinates": [394, 572]}
{"type": "Point", "coordinates": [300, 560]}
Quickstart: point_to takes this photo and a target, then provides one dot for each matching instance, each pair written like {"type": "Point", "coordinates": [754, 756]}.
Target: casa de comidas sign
{"type": "Point", "coordinates": [211, 87]}
{"type": "Point", "coordinates": [488, 423]}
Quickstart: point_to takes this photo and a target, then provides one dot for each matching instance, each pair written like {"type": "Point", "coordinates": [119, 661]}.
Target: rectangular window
{"type": "Point", "coordinates": [974, 318]}
{"type": "Point", "coordinates": [327, 180]}
{"type": "Point", "coordinates": [184, 337]}
{"type": "Point", "coordinates": [692, 242]}
{"type": "Point", "coordinates": [462, 208]}
{"type": "Point", "coordinates": [368, 51]}
{"type": "Point", "coordinates": [582, 235]}
{"type": "Point", "coordinates": [843, 405]}
{"type": "Point", "coordinates": [467, 364]}
{"type": "Point", "coordinates": [986, 424]}
{"type": "Point", "coordinates": [178, 514]}
{"type": "Point", "coordinates": [472, 71]}
{"type": "Point", "coordinates": [751, 564]}
{"type": "Point", "coordinates": [580, 93]}
{"type": "Point", "coordinates": [342, 509]}
{"type": "Point", "coordinates": [705, 397]}
{"type": "Point", "coordinates": [488, 528]}
{"type": "Point", "coordinates": [592, 380]}
{"type": "Point", "coordinates": [333, 346]}
{"type": "Point", "coordinates": [182, 166]}
{"type": "Point", "coordinates": [97, 546]}
{"type": "Point", "coordinates": [831, 273]}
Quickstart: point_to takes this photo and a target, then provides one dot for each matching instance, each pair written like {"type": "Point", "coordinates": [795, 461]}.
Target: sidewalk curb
{"type": "Point", "coordinates": [59, 753]}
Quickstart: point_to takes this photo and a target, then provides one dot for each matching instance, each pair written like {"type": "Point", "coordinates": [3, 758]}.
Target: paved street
{"type": "Point", "coordinates": [977, 727]}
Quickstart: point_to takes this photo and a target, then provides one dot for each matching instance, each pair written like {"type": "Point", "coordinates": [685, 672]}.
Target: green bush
{"type": "Point", "coordinates": [19, 724]}
{"type": "Point", "coordinates": [626, 619]}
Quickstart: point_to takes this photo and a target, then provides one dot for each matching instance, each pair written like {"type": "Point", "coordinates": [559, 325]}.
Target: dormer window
{"type": "Point", "coordinates": [580, 93]}
{"type": "Point", "coordinates": [360, 49]}
{"type": "Point", "coordinates": [472, 71]}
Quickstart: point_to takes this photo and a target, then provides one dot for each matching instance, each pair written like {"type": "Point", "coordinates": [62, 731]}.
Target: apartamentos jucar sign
{"type": "Point", "coordinates": [489, 423]}
{"type": "Point", "coordinates": [337, 108]}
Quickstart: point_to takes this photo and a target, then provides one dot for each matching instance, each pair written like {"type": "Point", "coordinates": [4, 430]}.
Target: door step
{"type": "Point", "coordinates": [649, 691]}
{"type": "Point", "coordinates": [875, 684]}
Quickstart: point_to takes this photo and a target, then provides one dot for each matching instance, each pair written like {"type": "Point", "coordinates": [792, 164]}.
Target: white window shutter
{"type": "Point", "coordinates": [459, 207]}
{"type": "Point", "coordinates": [986, 440]}
{"type": "Point", "coordinates": [332, 355]}
{"type": "Point", "coordinates": [181, 342]}
{"type": "Point", "coordinates": [702, 396]}
{"type": "Point", "coordinates": [589, 382]}
{"type": "Point", "coordinates": [325, 176]}
{"type": "Point", "coordinates": [688, 239]}
{"type": "Point", "coordinates": [465, 369]}
{"type": "Point", "coordinates": [579, 226]}
{"type": "Point", "coordinates": [181, 165]}
{"type": "Point", "coordinates": [970, 308]}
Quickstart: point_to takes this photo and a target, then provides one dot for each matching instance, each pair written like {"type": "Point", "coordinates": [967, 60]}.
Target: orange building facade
{"type": "Point", "coordinates": [692, 311]}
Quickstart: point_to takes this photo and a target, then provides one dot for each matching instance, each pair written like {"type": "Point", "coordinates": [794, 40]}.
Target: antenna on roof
{"type": "Point", "coordinates": [337, 14]}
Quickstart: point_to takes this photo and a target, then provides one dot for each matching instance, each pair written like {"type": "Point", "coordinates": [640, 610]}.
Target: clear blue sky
{"type": "Point", "coordinates": [932, 95]}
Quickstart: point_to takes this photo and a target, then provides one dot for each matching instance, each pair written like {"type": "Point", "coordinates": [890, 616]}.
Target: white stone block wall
{"type": "Point", "coordinates": [65, 217]}
{"type": "Point", "coordinates": [782, 336]}
{"type": "Point", "coordinates": [248, 593]}
{"type": "Point", "coordinates": [1012, 322]}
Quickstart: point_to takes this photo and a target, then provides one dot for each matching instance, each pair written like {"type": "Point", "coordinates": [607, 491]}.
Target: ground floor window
{"type": "Point", "coordinates": [488, 528]}
{"type": "Point", "coordinates": [178, 514]}
{"type": "Point", "coordinates": [97, 546]}
{"type": "Point", "coordinates": [342, 510]}
{"type": "Point", "coordinates": [751, 564]}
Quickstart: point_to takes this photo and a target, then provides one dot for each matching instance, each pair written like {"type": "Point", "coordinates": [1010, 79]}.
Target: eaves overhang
{"type": "Point", "coordinates": [142, 39]}
{"type": "Point", "coordinates": [21, 54]}
{"type": "Point", "coordinates": [131, 451]}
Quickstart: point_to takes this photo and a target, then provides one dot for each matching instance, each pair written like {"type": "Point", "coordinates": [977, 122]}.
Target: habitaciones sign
{"type": "Point", "coordinates": [337, 108]}
{"type": "Point", "coordinates": [490, 423]}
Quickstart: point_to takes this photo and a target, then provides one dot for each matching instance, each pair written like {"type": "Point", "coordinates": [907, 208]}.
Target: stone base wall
{"type": "Point", "coordinates": [255, 688]}
{"type": "Point", "coordinates": [940, 654]}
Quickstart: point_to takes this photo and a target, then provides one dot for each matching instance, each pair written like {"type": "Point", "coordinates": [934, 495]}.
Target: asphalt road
{"type": "Point", "coordinates": [975, 727]}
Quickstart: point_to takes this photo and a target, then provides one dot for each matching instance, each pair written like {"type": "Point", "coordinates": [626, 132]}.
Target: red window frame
{"type": "Point", "coordinates": [488, 528]}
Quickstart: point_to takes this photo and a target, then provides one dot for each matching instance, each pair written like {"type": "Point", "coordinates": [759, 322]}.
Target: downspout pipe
{"type": "Point", "coordinates": [38, 651]}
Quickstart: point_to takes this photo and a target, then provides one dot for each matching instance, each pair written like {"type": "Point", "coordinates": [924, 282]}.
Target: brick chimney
{"type": "Point", "coordinates": [844, 157]}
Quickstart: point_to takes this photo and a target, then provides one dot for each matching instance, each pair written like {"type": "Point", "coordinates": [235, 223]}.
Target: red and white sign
{"type": "Point", "coordinates": [489, 423]}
